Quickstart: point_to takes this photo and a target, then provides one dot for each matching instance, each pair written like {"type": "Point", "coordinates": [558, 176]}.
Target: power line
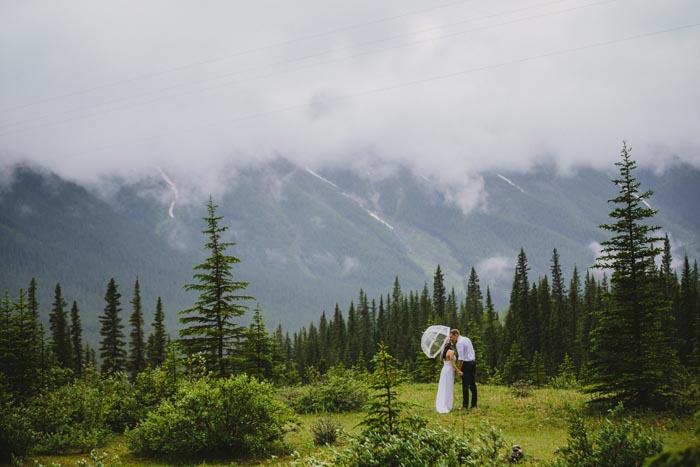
{"type": "Point", "coordinates": [284, 62]}
{"type": "Point", "coordinates": [446, 76]}
{"type": "Point", "coordinates": [234, 55]}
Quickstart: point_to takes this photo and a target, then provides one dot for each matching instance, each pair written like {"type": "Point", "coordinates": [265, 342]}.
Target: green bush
{"type": "Point", "coordinates": [422, 447]}
{"type": "Point", "coordinates": [619, 443]}
{"type": "Point", "coordinates": [70, 418]}
{"type": "Point", "coordinates": [152, 386]}
{"type": "Point", "coordinates": [337, 391]}
{"type": "Point", "coordinates": [16, 434]}
{"type": "Point", "coordinates": [123, 408]}
{"type": "Point", "coordinates": [207, 417]}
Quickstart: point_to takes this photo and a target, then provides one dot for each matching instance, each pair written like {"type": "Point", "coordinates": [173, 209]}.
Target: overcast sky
{"type": "Point", "coordinates": [444, 87]}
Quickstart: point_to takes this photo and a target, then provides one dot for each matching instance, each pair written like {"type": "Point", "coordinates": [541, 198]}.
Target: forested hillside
{"type": "Point", "coordinates": [308, 241]}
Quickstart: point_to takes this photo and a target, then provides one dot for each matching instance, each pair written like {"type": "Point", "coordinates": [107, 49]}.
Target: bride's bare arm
{"type": "Point", "coordinates": [454, 364]}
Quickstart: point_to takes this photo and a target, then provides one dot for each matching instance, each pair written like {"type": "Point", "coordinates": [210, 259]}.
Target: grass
{"type": "Point", "coordinates": [538, 423]}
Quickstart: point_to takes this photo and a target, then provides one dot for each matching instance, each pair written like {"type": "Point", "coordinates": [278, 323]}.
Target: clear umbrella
{"type": "Point", "coordinates": [434, 339]}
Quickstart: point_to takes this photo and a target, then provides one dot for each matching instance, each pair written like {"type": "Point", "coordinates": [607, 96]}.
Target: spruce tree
{"type": "Point", "coordinates": [32, 301]}
{"type": "Point", "coordinates": [158, 340]}
{"type": "Point", "coordinates": [517, 320]}
{"type": "Point", "coordinates": [492, 335]}
{"type": "Point", "coordinates": [112, 345]}
{"type": "Point", "coordinates": [76, 338]}
{"type": "Point", "coordinates": [439, 294]}
{"type": "Point", "coordinates": [633, 359]}
{"type": "Point", "coordinates": [209, 326]}
{"type": "Point", "coordinates": [60, 332]}
{"type": "Point", "coordinates": [137, 344]}
{"type": "Point", "coordinates": [555, 333]}
{"type": "Point", "coordinates": [258, 349]}
{"type": "Point", "coordinates": [575, 305]}
{"type": "Point", "coordinates": [473, 303]}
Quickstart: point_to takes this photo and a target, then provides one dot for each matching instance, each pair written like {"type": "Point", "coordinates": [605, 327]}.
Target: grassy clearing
{"type": "Point", "coordinates": [538, 423]}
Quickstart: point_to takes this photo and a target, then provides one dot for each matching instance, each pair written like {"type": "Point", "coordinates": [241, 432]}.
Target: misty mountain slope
{"type": "Point", "coordinates": [57, 231]}
{"type": "Point", "coordinates": [310, 240]}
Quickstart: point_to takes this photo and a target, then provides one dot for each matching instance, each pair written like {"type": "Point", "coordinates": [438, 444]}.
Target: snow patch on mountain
{"type": "Point", "coordinates": [372, 214]}
{"type": "Point", "coordinates": [173, 187]}
{"type": "Point", "coordinates": [322, 178]}
{"type": "Point", "coordinates": [508, 181]}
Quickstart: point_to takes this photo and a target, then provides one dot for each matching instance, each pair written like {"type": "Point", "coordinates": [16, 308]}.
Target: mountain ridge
{"type": "Point", "coordinates": [310, 239]}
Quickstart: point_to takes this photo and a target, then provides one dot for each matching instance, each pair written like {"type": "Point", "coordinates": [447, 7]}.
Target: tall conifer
{"type": "Point", "coordinates": [76, 338]}
{"type": "Point", "coordinates": [112, 345]}
{"type": "Point", "coordinates": [439, 294]}
{"type": "Point", "coordinates": [137, 344]}
{"type": "Point", "coordinates": [158, 340]}
{"type": "Point", "coordinates": [209, 327]}
{"type": "Point", "coordinates": [633, 358]}
{"type": "Point", "coordinates": [60, 332]}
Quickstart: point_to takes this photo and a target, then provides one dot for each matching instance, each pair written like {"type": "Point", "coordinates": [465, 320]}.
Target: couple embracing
{"type": "Point", "coordinates": [464, 364]}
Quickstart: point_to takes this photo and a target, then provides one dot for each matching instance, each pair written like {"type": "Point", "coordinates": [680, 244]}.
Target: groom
{"type": "Point", "coordinates": [466, 361]}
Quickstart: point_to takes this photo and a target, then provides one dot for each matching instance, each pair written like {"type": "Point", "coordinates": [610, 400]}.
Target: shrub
{"type": "Point", "coordinates": [326, 431]}
{"type": "Point", "coordinates": [234, 416]}
{"type": "Point", "coordinates": [16, 435]}
{"type": "Point", "coordinates": [521, 389]}
{"type": "Point", "coordinates": [424, 446]}
{"type": "Point", "coordinates": [337, 391]}
{"type": "Point", "coordinates": [152, 386]}
{"type": "Point", "coordinates": [619, 443]}
{"type": "Point", "coordinates": [123, 409]}
{"type": "Point", "coordinates": [70, 418]}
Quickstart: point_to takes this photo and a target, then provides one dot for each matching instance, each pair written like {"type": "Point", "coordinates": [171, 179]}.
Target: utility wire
{"type": "Point", "coordinates": [234, 55]}
{"type": "Point", "coordinates": [446, 76]}
{"type": "Point", "coordinates": [282, 72]}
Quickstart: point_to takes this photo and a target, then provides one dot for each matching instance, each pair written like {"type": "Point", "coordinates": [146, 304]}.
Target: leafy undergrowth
{"type": "Point", "coordinates": [538, 422]}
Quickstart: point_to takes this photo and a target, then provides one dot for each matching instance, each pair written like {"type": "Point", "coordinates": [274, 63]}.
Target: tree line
{"type": "Point", "coordinates": [630, 333]}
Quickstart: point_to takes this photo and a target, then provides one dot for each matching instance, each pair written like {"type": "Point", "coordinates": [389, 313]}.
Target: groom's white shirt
{"type": "Point", "coordinates": [465, 349]}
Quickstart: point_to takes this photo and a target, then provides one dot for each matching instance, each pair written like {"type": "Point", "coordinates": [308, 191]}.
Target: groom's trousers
{"type": "Point", "coordinates": [468, 383]}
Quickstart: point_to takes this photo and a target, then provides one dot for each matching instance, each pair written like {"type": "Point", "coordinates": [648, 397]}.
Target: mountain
{"type": "Point", "coordinates": [309, 240]}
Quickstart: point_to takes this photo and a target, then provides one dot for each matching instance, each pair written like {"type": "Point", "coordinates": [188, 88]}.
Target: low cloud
{"type": "Point", "coordinates": [446, 91]}
{"type": "Point", "coordinates": [495, 268]}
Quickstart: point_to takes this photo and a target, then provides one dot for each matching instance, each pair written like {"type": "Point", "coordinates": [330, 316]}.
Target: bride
{"type": "Point", "coordinates": [445, 392]}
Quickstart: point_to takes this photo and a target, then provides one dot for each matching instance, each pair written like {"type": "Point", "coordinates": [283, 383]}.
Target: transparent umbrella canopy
{"type": "Point", "coordinates": [434, 339]}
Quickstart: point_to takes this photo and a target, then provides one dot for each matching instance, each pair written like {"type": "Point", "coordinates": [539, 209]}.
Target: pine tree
{"type": "Point", "coordinates": [538, 374]}
{"type": "Point", "coordinates": [352, 349]}
{"type": "Point", "coordinates": [258, 349]}
{"type": "Point", "coordinates": [137, 344]}
{"type": "Point", "coordinates": [209, 326]}
{"type": "Point", "coordinates": [518, 317]}
{"type": "Point", "coordinates": [60, 332]}
{"type": "Point", "coordinates": [687, 299]}
{"type": "Point", "coordinates": [112, 345]}
{"type": "Point", "coordinates": [555, 333]}
{"type": "Point", "coordinates": [338, 338]}
{"type": "Point", "coordinates": [633, 359]}
{"type": "Point", "coordinates": [492, 334]}
{"type": "Point", "coordinates": [32, 301]}
{"type": "Point", "coordinates": [158, 340]}
{"type": "Point", "coordinates": [473, 303]}
{"type": "Point", "coordinates": [516, 366]}
{"type": "Point", "coordinates": [694, 324]}
{"type": "Point", "coordinates": [76, 338]}
{"type": "Point", "coordinates": [590, 300]}
{"type": "Point", "coordinates": [575, 305]}
{"type": "Point", "coordinates": [21, 343]}
{"type": "Point", "coordinates": [439, 294]}
{"type": "Point", "coordinates": [384, 410]}
{"type": "Point", "coordinates": [544, 305]}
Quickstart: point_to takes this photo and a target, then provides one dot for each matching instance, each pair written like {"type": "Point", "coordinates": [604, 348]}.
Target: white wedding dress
{"type": "Point", "coordinates": [445, 392]}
